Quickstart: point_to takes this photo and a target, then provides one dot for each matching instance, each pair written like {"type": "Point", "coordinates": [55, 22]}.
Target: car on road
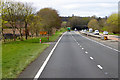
{"type": "Point", "coordinates": [105, 33]}
{"type": "Point", "coordinates": [10, 36]}
{"type": "Point", "coordinates": [96, 32]}
{"type": "Point", "coordinates": [75, 29]}
{"type": "Point", "coordinates": [85, 30]}
{"type": "Point", "coordinates": [90, 30]}
{"type": "Point", "coordinates": [68, 28]}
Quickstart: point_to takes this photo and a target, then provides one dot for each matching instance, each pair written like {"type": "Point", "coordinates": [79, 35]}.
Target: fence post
{"type": "Point", "coordinates": [40, 41]}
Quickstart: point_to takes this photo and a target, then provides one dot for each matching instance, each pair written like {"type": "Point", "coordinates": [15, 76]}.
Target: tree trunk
{"type": "Point", "coordinates": [36, 33]}
{"type": "Point", "coordinates": [14, 35]}
{"type": "Point", "coordinates": [32, 34]}
{"type": "Point", "coordinates": [26, 32]}
{"type": "Point", "coordinates": [21, 37]}
{"type": "Point", "coordinates": [48, 36]}
{"type": "Point", "coordinates": [3, 35]}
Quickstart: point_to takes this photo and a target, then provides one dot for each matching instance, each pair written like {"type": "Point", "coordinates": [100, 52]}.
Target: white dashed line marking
{"type": "Point", "coordinates": [106, 73]}
{"type": "Point", "coordinates": [75, 40]}
{"type": "Point", "coordinates": [82, 48]}
{"type": "Point", "coordinates": [91, 58]}
{"type": "Point", "coordinates": [99, 66]}
{"type": "Point", "coordinates": [86, 52]}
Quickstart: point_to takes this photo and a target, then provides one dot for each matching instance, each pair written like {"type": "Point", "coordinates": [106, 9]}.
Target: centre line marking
{"type": "Point", "coordinates": [86, 52]}
{"type": "Point", "coordinates": [91, 58]}
{"type": "Point", "coordinates": [82, 48]}
{"type": "Point", "coordinates": [99, 66]}
{"type": "Point", "coordinates": [106, 72]}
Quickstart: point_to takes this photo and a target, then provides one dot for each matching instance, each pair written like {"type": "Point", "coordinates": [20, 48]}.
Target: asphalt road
{"type": "Point", "coordinates": [78, 57]}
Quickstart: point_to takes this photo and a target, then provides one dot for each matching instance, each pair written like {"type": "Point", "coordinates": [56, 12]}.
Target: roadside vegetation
{"type": "Point", "coordinates": [17, 55]}
{"type": "Point", "coordinates": [22, 29]}
{"type": "Point", "coordinates": [24, 21]}
{"type": "Point", "coordinates": [109, 24]}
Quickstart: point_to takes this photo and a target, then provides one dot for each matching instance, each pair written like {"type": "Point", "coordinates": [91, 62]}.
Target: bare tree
{"type": "Point", "coordinates": [3, 20]}
{"type": "Point", "coordinates": [28, 13]}
{"type": "Point", "coordinates": [20, 17]}
{"type": "Point", "coordinates": [11, 15]}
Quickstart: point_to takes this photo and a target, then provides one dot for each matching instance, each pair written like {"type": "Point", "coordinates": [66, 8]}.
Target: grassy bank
{"type": "Point", "coordinates": [111, 34]}
{"type": "Point", "coordinates": [17, 55]}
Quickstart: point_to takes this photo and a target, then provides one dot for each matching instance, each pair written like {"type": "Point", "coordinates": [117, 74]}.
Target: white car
{"type": "Point", "coordinates": [75, 29]}
{"type": "Point", "coordinates": [90, 30]}
{"type": "Point", "coordinates": [85, 30]}
{"type": "Point", "coordinates": [96, 32]}
{"type": "Point", "coordinates": [105, 33]}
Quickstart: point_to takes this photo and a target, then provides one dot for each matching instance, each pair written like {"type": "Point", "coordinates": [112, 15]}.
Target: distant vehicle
{"type": "Point", "coordinates": [96, 32]}
{"type": "Point", "coordinates": [82, 30]}
{"type": "Point", "coordinates": [85, 30]}
{"type": "Point", "coordinates": [75, 29]}
{"type": "Point", "coordinates": [105, 33]}
{"type": "Point", "coordinates": [68, 28]}
{"type": "Point", "coordinates": [10, 36]}
{"type": "Point", "coordinates": [90, 30]}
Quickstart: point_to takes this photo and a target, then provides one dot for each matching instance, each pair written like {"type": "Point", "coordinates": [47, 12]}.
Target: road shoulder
{"type": "Point", "coordinates": [111, 43]}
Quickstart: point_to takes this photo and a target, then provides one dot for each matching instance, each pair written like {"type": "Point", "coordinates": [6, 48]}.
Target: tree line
{"type": "Point", "coordinates": [22, 16]}
{"type": "Point", "coordinates": [109, 24]}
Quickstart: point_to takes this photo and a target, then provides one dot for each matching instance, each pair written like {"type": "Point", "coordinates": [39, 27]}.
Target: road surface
{"type": "Point", "coordinates": [79, 57]}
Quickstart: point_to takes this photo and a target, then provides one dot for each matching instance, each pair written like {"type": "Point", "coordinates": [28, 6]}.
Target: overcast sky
{"type": "Point", "coordinates": [99, 8]}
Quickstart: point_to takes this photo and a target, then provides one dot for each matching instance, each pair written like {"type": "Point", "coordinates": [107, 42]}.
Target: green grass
{"type": "Point", "coordinates": [0, 60]}
{"type": "Point", "coordinates": [113, 34]}
{"type": "Point", "coordinates": [17, 55]}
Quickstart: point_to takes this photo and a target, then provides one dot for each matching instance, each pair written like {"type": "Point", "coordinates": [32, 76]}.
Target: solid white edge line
{"type": "Point", "coordinates": [91, 58]}
{"type": "Point", "coordinates": [100, 43]}
{"type": "Point", "coordinates": [99, 66]}
{"type": "Point", "coordinates": [47, 59]}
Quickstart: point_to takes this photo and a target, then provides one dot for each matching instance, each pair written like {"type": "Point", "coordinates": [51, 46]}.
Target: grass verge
{"type": "Point", "coordinates": [17, 55]}
{"type": "Point", "coordinates": [112, 34]}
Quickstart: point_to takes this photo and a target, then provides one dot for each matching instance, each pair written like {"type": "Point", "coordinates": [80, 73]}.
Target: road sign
{"type": "Point", "coordinates": [43, 32]}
